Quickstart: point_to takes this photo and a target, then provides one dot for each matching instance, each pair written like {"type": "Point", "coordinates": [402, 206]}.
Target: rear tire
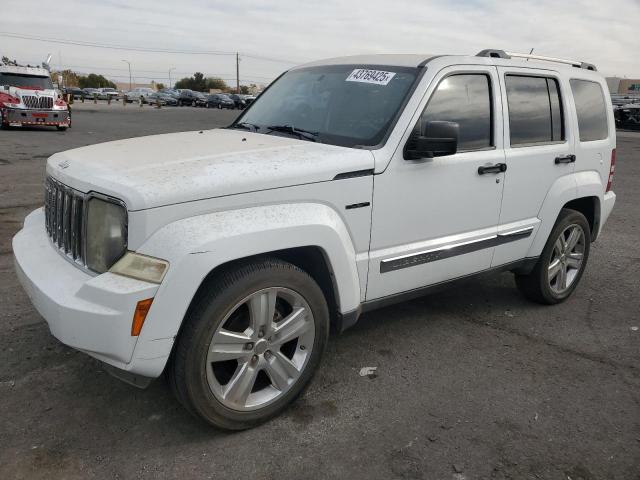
{"type": "Point", "coordinates": [562, 262]}
{"type": "Point", "coordinates": [234, 365]}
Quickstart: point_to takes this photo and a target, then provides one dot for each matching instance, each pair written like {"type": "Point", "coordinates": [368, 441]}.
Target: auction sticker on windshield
{"type": "Point", "coordinates": [364, 75]}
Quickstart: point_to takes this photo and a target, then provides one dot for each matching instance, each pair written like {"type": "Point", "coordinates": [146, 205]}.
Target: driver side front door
{"type": "Point", "coordinates": [435, 219]}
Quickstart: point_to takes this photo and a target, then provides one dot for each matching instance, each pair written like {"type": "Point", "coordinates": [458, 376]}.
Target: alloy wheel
{"type": "Point", "coordinates": [566, 259]}
{"type": "Point", "coordinates": [260, 349]}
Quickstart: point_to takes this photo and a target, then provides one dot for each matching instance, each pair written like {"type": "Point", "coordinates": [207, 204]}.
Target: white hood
{"type": "Point", "coordinates": [158, 170]}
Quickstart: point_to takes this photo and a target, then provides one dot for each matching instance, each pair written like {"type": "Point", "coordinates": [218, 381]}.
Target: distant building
{"type": "Point", "coordinates": [628, 85]}
{"type": "Point", "coordinates": [256, 89]}
{"type": "Point", "coordinates": [623, 86]}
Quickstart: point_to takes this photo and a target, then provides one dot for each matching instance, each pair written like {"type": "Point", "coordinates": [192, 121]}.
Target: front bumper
{"type": "Point", "coordinates": [19, 116]}
{"type": "Point", "coordinates": [90, 313]}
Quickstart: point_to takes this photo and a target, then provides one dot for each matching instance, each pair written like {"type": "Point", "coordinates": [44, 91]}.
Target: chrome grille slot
{"type": "Point", "coordinates": [31, 101]}
{"type": "Point", "coordinates": [64, 210]}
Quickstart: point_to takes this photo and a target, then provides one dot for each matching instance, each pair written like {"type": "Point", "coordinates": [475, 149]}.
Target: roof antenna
{"type": "Point", "coordinates": [530, 54]}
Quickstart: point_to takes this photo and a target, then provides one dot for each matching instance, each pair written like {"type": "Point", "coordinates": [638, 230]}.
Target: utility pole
{"type": "Point", "coordinates": [170, 76]}
{"type": "Point", "coordinates": [237, 72]}
{"type": "Point", "coordinates": [129, 63]}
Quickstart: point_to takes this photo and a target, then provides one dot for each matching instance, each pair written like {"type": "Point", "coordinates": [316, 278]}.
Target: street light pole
{"type": "Point", "coordinates": [237, 72]}
{"type": "Point", "coordinates": [129, 63]}
{"type": "Point", "coordinates": [170, 76]}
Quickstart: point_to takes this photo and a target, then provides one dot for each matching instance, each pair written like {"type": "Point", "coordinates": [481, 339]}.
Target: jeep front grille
{"type": "Point", "coordinates": [31, 101]}
{"type": "Point", "coordinates": [64, 210]}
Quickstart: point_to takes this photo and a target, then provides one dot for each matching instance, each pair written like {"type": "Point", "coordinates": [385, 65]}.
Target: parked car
{"type": "Point", "coordinates": [238, 100]}
{"type": "Point", "coordinates": [76, 92]}
{"type": "Point", "coordinates": [627, 116]}
{"type": "Point", "coordinates": [163, 98]}
{"type": "Point", "coordinates": [201, 99]}
{"type": "Point", "coordinates": [187, 97]}
{"type": "Point", "coordinates": [248, 99]}
{"type": "Point", "coordinates": [222, 257]}
{"type": "Point", "coordinates": [172, 92]}
{"type": "Point", "coordinates": [108, 93]}
{"type": "Point", "coordinates": [90, 93]}
{"type": "Point", "coordinates": [139, 94]}
{"type": "Point", "coordinates": [219, 100]}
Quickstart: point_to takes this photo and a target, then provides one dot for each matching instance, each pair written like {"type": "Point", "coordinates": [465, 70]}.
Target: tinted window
{"type": "Point", "coordinates": [25, 81]}
{"type": "Point", "coordinates": [591, 110]}
{"type": "Point", "coordinates": [347, 105]}
{"type": "Point", "coordinates": [535, 110]}
{"type": "Point", "coordinates": [466, 100]}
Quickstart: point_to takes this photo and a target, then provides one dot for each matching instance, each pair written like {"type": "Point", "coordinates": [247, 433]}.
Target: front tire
{"type": "Point", "coordinates": [250, 344]}
{"type": "Point", "coordinates": [561, 265]}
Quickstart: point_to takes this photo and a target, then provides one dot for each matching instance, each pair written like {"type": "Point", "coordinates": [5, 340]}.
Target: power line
{"type": "Point", "coordinates": [225, 76]}
{"type": "Point", "coordinates": [138, 48]}
{"type": "Point", "coordinates": [86, 67]}
{"type": "Point", "coordinates": [229, 79]}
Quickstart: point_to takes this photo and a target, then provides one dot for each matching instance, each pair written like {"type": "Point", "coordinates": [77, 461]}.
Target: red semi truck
{"type": "Point", "coordinates": [27, 97]}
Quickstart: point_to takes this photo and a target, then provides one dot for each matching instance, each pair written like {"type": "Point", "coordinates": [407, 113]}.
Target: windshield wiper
{"type": "Point", "coordinates": [246, 126]}
{"type": "Point", "coordinates": [300, 132]}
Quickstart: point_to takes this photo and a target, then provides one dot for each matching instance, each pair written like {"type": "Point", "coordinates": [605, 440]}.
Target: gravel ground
{"type": "Point", "coordinates": [472, 383]}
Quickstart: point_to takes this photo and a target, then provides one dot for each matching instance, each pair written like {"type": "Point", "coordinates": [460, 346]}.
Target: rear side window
{"type": "Point", "coordinates": [591, 110]}
{"type": "Point", "coordinates": [535, 110]}
{"type": "Point", "coordinates": [466, 100]}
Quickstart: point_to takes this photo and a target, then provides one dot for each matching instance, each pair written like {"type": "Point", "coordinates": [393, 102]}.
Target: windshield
{"type": "Point", "coordinates": [26, 81]}
{"type": "Point", "coordinates": [347, 105]}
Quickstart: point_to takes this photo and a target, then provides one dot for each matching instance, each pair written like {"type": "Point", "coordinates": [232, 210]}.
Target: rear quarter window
{"type": "Point", "coordinates": [591, 110]}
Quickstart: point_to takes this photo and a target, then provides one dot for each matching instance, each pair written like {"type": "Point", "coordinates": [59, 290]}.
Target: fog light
{"type": "Point", "coordinates": [139, 316]}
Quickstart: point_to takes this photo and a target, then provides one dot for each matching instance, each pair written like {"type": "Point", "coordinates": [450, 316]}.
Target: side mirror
{"type": "Point", "coordinates": [435, 139]}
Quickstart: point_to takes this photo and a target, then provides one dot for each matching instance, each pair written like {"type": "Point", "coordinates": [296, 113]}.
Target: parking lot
{"type": "Point", "coordinates": [473, 382]}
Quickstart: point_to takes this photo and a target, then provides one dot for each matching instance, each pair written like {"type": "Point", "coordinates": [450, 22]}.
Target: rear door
{"type": "Point", "coordinates": [595, 133]}
{"type": "Point", "coordinates": [539, 151]}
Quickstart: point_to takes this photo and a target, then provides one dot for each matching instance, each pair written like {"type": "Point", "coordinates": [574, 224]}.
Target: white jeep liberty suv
{"type": "Point", "coordinates": [223, 257]}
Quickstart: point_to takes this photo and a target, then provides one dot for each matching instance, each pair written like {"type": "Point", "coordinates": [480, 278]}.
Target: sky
{"type": "Point", "coordinates": [273, 36]}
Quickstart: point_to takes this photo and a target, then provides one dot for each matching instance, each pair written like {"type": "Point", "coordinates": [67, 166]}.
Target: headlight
{"type": "Point", "coordinates": [141, 267]}
{"type": "Point", "coordinates": [106, 234]}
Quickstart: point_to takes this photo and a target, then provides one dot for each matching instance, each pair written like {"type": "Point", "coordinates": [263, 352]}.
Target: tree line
{"type": "Point", "coordinates": [92, 80]}
{"type": "Point", "coordinates": [200, 83]}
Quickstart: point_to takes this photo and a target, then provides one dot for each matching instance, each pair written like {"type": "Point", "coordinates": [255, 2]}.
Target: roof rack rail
{"type": "Point", "coordinates": [502, 54]}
